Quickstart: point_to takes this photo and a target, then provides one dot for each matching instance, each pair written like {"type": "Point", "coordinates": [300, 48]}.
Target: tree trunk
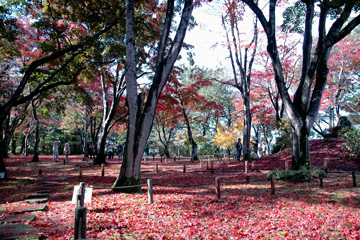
{"type": "Point", "coordinates": [300, 148]}
{"type": "Point", "coordinates": [37, 136]}
{"type": "Point", "coordinates": [36, 144]}
{"type": "Point", "coordinates": [100, 146]}
{"type": "Point", "coordinates": [141, 118]}
{"type": "Point", "coordinates": [247, 128]}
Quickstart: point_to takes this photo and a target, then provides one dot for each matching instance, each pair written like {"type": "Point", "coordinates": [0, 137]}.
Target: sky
{"type": "Point", "coordinates": [208, 32]}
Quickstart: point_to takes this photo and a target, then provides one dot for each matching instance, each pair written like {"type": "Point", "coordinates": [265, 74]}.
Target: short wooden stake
{"type": "Point", "coordinates": [174, 158]}
{"type": "Point", "coordinates": [247, 178]}
{"type": "Point", "coordinates": [184, 167]}
{"type": "Point", "coordinates": [201, 163]}
{"type": "Point", "coordinates": [80, 171]}
{"type": "Point", "coordinates": [64, 162]}
{"type": "Point", "coordinates": [354, 178]}
{"type": "Point", "coordinates": [81, 195]}
{"type": "Point", "coordinates": [161, 158]}
{"type": "Point", "coordinates": [223, 166]}
{"type": "Point", "coordinates": [212, 166]}
{"type": "Point", "coordinates": [272, 184]}
{"type": "Point", "coordinates": [80, 223]}
{"type": "Point", "coordinates": [252, 165]}
{"type": "Point", "coordinates": [156, 168]}
{"type": "Point", "coordinates": [40, 172]}
{"type": "Point", "coordinates": [321, 180]}
{"type": "Point", "coordinates": [102, 170]}
{"type": "Point", "coordinates": [325, 166]}
{"type": "Point", "coordinates": [286, 165]}
{"type": "Point", "coordinates": [150, 191]}
{"type": "Point", "coordinates": [217, 187]}
{"type": "Point", "coordinates": [208, 164]}
{"type": "Point", "coordinates": [246, 166]}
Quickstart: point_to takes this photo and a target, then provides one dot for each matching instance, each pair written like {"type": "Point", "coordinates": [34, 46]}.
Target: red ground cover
{"type": "Point", "coordinates": [184, 203]}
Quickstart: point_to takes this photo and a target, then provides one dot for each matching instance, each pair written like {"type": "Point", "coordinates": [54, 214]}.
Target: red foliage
{"type": "Point", "coordinates": [184, 205]}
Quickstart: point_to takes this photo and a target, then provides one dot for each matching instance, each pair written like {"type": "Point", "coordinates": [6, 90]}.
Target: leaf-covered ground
{"type": "Point", "coordinates": [184, 203]}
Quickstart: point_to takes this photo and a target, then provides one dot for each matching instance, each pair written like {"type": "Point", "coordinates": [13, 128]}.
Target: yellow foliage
{"type": "Point", "coordinates": [226, 137]}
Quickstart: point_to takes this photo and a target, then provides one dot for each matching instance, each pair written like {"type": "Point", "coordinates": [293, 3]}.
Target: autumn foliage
{"type": "Point", "coordinates": [184, 203]}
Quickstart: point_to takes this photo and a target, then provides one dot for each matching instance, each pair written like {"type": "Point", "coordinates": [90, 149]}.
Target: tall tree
{"type": "Point", "coordinates": [303, 110]}
{"type": "Point", "coordinates": [141, 112]}
{"type": "Point", "coordinates": [54, 37]}
{"type": "Point", "coordinates": [242, 56]}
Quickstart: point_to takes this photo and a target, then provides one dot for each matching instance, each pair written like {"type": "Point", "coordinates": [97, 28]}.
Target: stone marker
{"type": "Point", "coordinates": [37, 200]}
{"type": "Point", "coordinates": [42, 195]}
{"type": "Point", "coordinates": [43, 191]}
{"type": "Point", "coordinates": [30, 208]}
{"type": "Point", "coordinates": [19, 218]}
{"type": "Point", "coordinates": [19, 231]}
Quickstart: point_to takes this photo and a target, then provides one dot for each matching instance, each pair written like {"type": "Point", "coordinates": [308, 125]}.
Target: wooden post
{"type": "Point", "coordinates": [272, 184]}
{"type": "Point", "coordinates": [325, 166]}
{"type": "Point", "coordinates": [286, 165]}
{"type": "Point", "coordinates": [80, 223]}
{"type": "Point", "coordinates": [64, 162]}
{"type": "Point", "coordinates": [246, 167]}
{"type": "Point", "coordinates": [161, 158]}
{"type": "Point", "coordinates": [354, 178]}
{"type": "Point", "coordinates": [321, 180]}
{"type": "Point", "coordinates": [156, 168]}
{"type": "Point", "coordinates": [40, 172]}
{"type": "Point", "coordinates": [102, 170]}
{"type": "Point", "coordinates": [252, 165]}
{"type": "Point", "coordinates": [184, 167]}
{"type": "Point", "coordinates": [247, 178]}
{"type": "Point", "coordinates": [207, 164]}
{"type": "Point", "coordinates": [150, 191]}
{"type": "Point", "coordinates": [223, 165]}
{"type": "Point", "coordinates": [81, 195]}
{"type": "Point", "coordinates": [212, 166]}
{"type": "Point", "coordinates": [201, 163]}
{"type": "Point", "coordinates": [80, 171]}
{"type": "Point", "coordinates": [174, 158]}
{"type": "Point", "coordinates": [217, 187]}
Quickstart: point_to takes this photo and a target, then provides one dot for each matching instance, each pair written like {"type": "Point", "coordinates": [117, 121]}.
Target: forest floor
{"type": "Point", "coordinates": [185, 205]}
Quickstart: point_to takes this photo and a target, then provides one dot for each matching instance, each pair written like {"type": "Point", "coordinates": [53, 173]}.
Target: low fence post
{"type": "Point", "coordinates": [321, 180]}
{"type": "Point", "coordinates": [184, 167]}
{"type": "Point", "coordinates": [272, 184]}
{"type": "Point", "coordinates": [286, 165]}
{"type": "Point", "coordinates": [354, 178]}
{"type": "Point", "coordinates": [150, 191]}
{"type": "Point", "coordinates": [102, 170]}
{"type": "Point", "coordinates": [156, 168]}
{"type": "Point", "coordinates": [326, 166]}
{"type": "Point", "coordinates": [80, 223]}
{"type": "Point", "coordinates": [246, 166]}
{"type": "Point", "coordinates": [80, 171]}
{"type": "Point", "coordinates": [217, 187]}
{"type": "Point", "coordinates": [212, 166]}
{"type": "Point", "coordinates": [40, 172]}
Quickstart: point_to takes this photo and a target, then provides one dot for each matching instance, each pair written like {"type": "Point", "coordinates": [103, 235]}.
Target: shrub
{"type": "Point", "coordinates": [284, 140]}
{"type": "Point", "coordinates": [352, 143]}
{"type": "Point", "coordinates": [296, 175]}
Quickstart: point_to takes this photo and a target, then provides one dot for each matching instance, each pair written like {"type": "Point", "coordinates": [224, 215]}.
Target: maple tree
{"type": "Point", "coordinates": [343, 68]}
{"type": "Point", "coordinates": [242, 56]}
{"type": "Point", "coordinates": [50, 48]}
{"type": "Point", "coordinates": [194, 106]}
{"type": "Point", "coordinates": [303, 109]}
{"type": "Point", "coordinates": [168, 113]}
